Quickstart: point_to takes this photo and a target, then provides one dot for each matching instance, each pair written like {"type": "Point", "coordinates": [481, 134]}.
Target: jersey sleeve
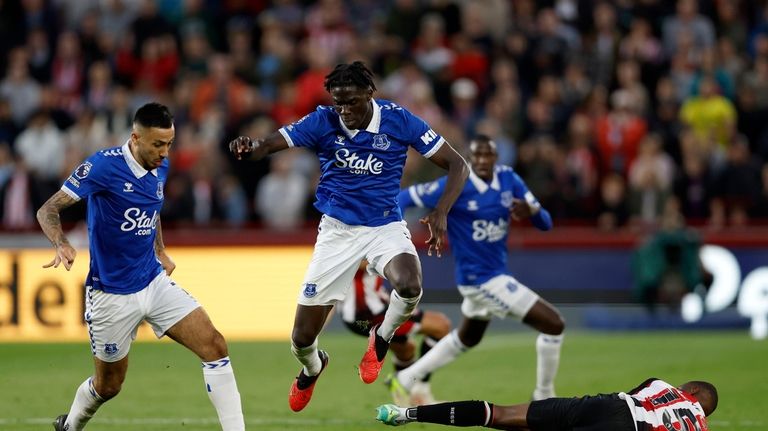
{"type": "Point", "coordinates": [423, 195]}
{"type": "Point", "coordinates": [420, 136]}
{"type": "Point", "coordinates": [305, 131]}
{"type": "Point", "coordinates": [542, 219]}
{"type": "Point", "coordinates": [86, 179]}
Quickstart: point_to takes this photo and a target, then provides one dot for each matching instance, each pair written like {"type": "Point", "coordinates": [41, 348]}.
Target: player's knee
{"type": "Point", "coordinates": [219, 345]}
{"type": "Point", "coordinates": [301, 338]}
{"type": "Point", "coordinates": [556, 325]}
{"type": "Point", "coordinates": [408, 286]}
{"type": "Point", "coordinates": [469, 339]}
{"type": "Point", "coordinates": [107, 390]}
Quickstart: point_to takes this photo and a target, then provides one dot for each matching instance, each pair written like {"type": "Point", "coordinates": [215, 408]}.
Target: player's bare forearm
{"type": "Point", "coordinates": [159, 245]}
{"type": "Point", "coordinates": [458, 171]}
{"type": "Point", "coordinates": [168, 264]}
{"type": "Point", "coordinates": [50, 220]}
{"type": "Point", "coordinates": [243, 147]}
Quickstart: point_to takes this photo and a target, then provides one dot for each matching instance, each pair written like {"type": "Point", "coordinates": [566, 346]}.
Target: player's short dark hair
{"type": "Point", "coordinates": [153, 114]}
{"type": "Point", "coordinates": [708, 390]}
{"type": "Point", "coordinates": [350, 74]}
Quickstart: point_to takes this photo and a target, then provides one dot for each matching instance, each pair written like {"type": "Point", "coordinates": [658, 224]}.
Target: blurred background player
{"type": "Point", "coordinates": [478, 228]}
{"type": "Point", "coordinates": [364, 308]}
{"type": "Point", "coordinates": [654, 405]}
{"type": "Point", "coordinates": [361, 143]}
{"type": "Point", "coordinates": [129, 281]}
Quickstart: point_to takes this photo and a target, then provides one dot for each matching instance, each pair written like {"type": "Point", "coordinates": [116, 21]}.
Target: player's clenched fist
{"type": "Point", "coordinates": [242, 145]}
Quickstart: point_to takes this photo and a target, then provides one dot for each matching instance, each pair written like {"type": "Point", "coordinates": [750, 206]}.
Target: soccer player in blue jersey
{"type": "Point", "coordinates": [478, 225]}
{"type": "Point", "coordinates": [361, 143]}
{"type": "Point", "coordinates": [129, 272]}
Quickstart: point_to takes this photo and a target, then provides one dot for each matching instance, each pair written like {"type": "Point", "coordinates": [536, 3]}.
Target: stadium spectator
{"type": "Point", "coordinates": [478, 229]}
{"type": "Point", "coordinates": [129, 278]}
{"type": "Point", "coordinates": [613, 211]}
{"type": "Point", "coordinates": [365, 306]}
{"type": "Point", "coordinates": [19, 88]}
{"type": "Point", "coordinates": [357, 196]}
{"type": "Point", "coordinates": [711, 117]}
{"type": "Point", "coordinates": [687, 23]}
{"type": "Point", "coordinates": [654, 404]}
{"type": "Point", "coordinates": [650, 181]}
{"type": "Point", "coordinates": [40, 147]}
{"type": "Point", "coordinates": [68, 72]}
{"type": "Point", "coordinates": [220, 90]}
{"type": "Point", "coordinates": [738, 184]}
{"type": "Point", "coordinates": [619, 132]}
{"type": "Point", "coordinates": [282, 194]}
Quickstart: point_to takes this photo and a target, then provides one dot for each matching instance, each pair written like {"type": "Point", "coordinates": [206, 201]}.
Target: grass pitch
{"type": "Point", "coordinates": [164, 388]}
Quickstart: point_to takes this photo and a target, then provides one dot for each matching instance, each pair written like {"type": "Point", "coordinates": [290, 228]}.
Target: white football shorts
{"type": "Point", "coordinates": [501, 296]}
{"type": "Point", "coordinates": [113, 320]}
{"type": "Point", "coordinates": [338, 251]}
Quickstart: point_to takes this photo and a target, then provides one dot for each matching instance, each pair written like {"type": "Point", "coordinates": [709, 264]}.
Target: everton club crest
{"type": "Point", "coordinates": [159, 189]}
{"type": "Point", "coordinates": [380, 142]}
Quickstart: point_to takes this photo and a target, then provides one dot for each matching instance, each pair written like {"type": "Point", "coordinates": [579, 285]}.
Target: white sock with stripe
{"type": "Point", "coordinates": [86, 402]}
{"type": "Point", "coordinates": [398, 311]}
{"type": "Point", "coordinates": [444, 352]}
{"type": "Point", "coordinates": [547, 362]}
{"type": "Point", "coordinates": [222, 391]}
{"type": "Point", "coordinates": [309, 358]}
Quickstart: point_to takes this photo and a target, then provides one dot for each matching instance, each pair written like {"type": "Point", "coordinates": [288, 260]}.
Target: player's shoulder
{"type": "Point", "coordinates": [109, 154]}
{"type": "Point", "coordinates": [321, 114]}
{"type": "Point", "coordinates": [389, 106]}
{"type": "Point", "coordinates": [646, 383]}
{"type": "Point", "coordinates": [107, 157]}
{"type": "Point", "coordinates": [505, 172]}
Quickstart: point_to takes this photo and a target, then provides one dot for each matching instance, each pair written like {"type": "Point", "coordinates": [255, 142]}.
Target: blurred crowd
{"type": "Point", "coordinates": [607, 109]}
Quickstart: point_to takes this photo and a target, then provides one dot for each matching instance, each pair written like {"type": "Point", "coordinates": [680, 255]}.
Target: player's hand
{"type": "Point", "coordinates": [437, 222]}
{"type": "Point", "coordinates": [242, 145]}
{"type": "Point", "coordinates": [168, 264]}
{"type": "Point", "coordinates": [521, 210]}
{"type": "Point", "coordinates": [65, 254]}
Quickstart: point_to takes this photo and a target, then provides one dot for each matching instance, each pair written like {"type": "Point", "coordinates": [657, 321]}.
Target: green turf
{"type": "Point", "coordinates": [164, 389]}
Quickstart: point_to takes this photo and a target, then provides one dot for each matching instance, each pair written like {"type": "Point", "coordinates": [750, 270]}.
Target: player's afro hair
{"type": "Point", "coordinates": [153, 114]}
{"type": "Point", "coordinates": [346, 74]}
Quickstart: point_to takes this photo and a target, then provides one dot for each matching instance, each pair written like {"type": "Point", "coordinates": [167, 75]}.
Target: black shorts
{"type": "Point", "coordinates": [602, 412]}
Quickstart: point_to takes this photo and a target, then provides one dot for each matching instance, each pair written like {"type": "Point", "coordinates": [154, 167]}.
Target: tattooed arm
{"type": "Point", "coordinates": [48, 217]}
{"type": "Point", "coordinates": [165, 260]}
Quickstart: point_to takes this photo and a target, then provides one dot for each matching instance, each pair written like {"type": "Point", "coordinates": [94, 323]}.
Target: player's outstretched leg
{"type": "Point", "coordinates": [84, 406]}
{"type": "Point", "coordinates": [197, 333]}
{"type": "Point", "coordinates": [404, 274]}
{"type": "Point", "coordinates": [222, 390]}
{"type": "Point", "coordinates": [456, 413]}
{"type": "Point", "coordinates": [373, 358]}
{"type": "Point", "coordinates": [378, 341]}
{"type": "Point", "coordinates": [302, 388]}
{"type": "Point", "coordinates": [547, 362]}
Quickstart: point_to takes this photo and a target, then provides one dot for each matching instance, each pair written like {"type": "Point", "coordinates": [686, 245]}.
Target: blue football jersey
{"type": "Point", "coordinates": [361, 169]}
{"type": "Point", "coordinates": [124, 202]}
{"type": "Point", "coordinates": [478, 222]}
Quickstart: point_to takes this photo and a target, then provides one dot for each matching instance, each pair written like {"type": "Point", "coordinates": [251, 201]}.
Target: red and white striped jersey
{"type": "Point", "coordinates": [366, 299]}
{"type": "Point", "coordinates": [658, 406]}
